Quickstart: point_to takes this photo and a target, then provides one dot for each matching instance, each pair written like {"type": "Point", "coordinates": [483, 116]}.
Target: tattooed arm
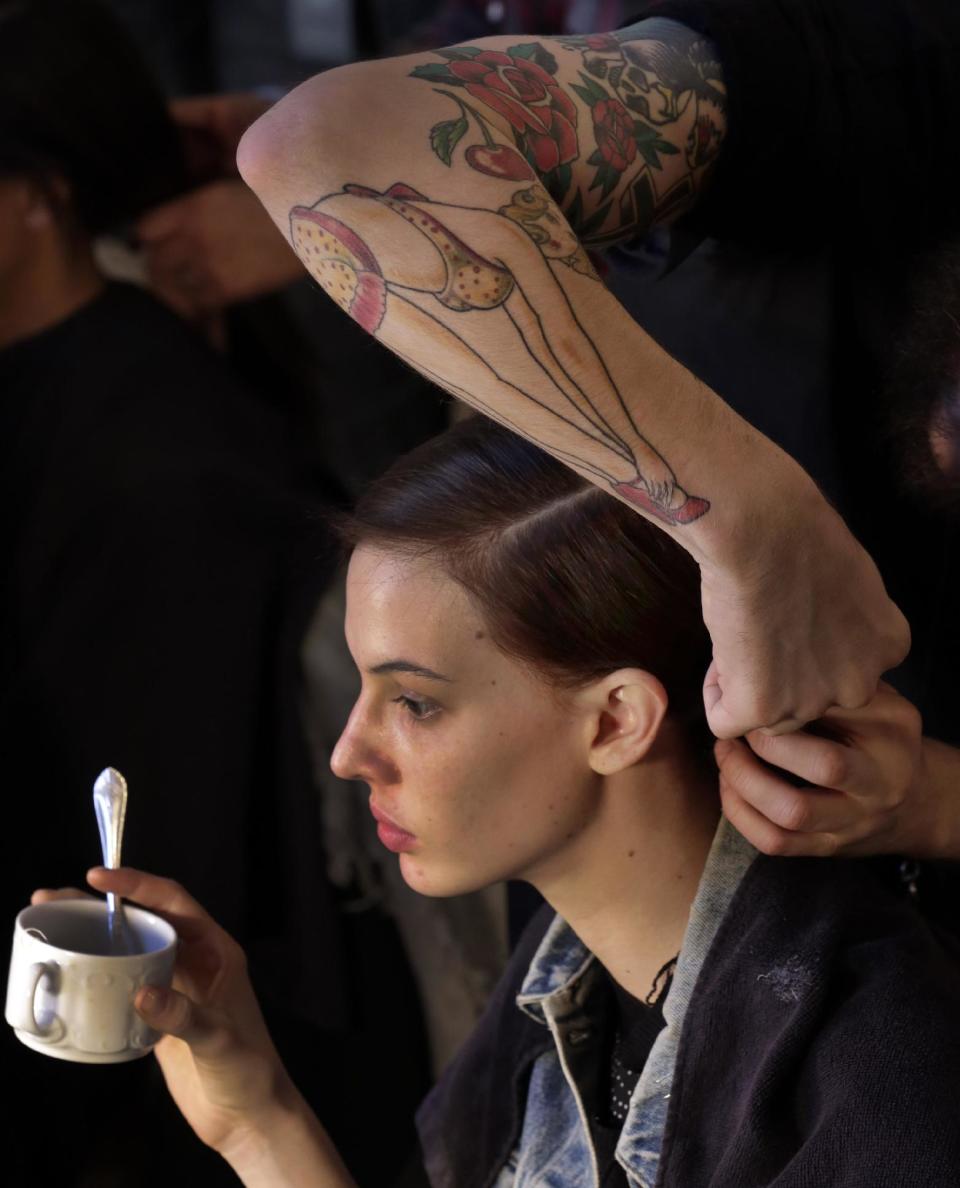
{"type": "Point", "coordinates": [437, 199]}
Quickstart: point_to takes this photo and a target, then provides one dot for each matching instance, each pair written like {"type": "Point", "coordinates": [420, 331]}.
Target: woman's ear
{"type": "Point", "coordinates": [626, 709]}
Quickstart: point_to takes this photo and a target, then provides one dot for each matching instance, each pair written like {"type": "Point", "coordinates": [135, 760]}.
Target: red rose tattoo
{"type": "Point", "coordinates": [613, 128]}
{"type": "Point", "coordinates": [519, 86]}
{"type": "Point", "coordinates": [544, 118]}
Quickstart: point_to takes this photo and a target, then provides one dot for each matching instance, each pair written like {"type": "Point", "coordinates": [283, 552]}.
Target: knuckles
{"type": "Point", "coordinates": [832, 768]}
{"type": "Point", "coordinates": [796, 815]}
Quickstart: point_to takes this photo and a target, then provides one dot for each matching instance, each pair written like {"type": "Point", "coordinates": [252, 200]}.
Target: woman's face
{"type": "Point", "coordinates": [478, 771]}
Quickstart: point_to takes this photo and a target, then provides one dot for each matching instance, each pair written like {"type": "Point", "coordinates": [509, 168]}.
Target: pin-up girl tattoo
{"type": "Point", "coordinates": [409, 269]}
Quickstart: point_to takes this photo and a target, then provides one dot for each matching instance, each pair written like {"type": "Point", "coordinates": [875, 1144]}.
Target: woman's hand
{"type": "Point", "coordinates": [217, 1057]}
{"type": "Point", "coordinates": [871, 784]}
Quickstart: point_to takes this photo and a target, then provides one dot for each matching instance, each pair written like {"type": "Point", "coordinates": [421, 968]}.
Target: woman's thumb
{"type": "Point", "coordinates": [171, 1012]}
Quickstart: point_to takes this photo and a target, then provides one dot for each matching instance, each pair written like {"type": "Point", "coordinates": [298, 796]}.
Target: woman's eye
{"type": "Point", "coordinates": [417, 708]}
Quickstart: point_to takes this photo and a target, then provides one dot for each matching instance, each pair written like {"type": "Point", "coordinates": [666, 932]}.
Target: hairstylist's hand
{"type": "Point", "coordinates": [213, 247]}
{"type": "Point", "coordinates": [872, 785]}
{"type": "Point", "coordinates": [797, 612]}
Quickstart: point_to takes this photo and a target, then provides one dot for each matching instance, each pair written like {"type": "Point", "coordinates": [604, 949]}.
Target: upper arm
{"type": "Point", "coordinates": [621, 128]}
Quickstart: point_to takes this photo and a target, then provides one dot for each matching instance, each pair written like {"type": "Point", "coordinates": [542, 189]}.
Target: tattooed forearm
{"type": "Point", "coordinates": [592, 118]}
{"type": "Point", "coordinates": [463, 272]}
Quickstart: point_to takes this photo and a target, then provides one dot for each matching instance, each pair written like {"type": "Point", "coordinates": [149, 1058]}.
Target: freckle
{"type": "Point", "coordinates": [630, 853]}
{"type": "Point", "coordinates": [480, 635]}
{"type": "Point", "coordinates": [570, 836]}
{"type": "Point", "coordinates": [476, 268]}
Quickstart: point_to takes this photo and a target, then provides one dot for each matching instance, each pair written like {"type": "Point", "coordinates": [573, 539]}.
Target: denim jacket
{"type": "Point", "coordinates": [806, 995]}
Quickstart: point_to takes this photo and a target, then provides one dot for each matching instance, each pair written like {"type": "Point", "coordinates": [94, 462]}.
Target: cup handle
{"type": "Point", "coordinates": [27, 1019]}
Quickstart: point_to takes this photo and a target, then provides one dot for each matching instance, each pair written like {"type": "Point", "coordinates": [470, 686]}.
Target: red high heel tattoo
{"type": "Point", "coordinates": [692, 508]}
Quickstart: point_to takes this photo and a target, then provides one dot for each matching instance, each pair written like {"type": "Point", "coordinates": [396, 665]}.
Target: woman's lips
{"type": "Point", "coordinates": [390, 833]}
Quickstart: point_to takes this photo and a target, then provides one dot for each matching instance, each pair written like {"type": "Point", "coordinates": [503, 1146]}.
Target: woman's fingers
{"type": "Point", "coordinates": [163, 896]}
{"type": "Point", "coordinates": [51, 895]}
{"type": "Point", "coordinates": [205, 1029]}
{"type": "Point", "coordinates": [210, 963]}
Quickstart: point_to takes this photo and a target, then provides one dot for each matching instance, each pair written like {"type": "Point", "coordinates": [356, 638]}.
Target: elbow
{"type": "Point", "coordinates": [253, 149]}
{"type": "Point", "coordinates": [300, 147]}
{"type": "Point", "coordinates": [269, 148]}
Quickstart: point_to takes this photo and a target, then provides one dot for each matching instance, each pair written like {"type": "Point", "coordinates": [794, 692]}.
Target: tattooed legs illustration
{"type": "Point", "coordinates": [437, 279]}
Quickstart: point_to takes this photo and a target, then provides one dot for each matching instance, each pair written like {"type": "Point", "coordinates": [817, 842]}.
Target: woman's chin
{"type": "Point", "coordinates": [426, 878]}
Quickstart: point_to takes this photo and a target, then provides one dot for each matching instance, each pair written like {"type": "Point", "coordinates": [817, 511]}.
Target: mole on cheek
{"type": "Point", "coordinates": [480, 635]}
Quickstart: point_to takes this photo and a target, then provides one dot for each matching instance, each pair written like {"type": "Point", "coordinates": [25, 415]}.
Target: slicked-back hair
{"type": "Point", "coordinates": [78, 104]}
{"type": "Point", "coordinates": [567, 578]}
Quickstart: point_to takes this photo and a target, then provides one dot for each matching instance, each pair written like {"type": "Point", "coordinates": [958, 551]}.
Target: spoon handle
{"type": "Point", "coordinates": [110, 806]}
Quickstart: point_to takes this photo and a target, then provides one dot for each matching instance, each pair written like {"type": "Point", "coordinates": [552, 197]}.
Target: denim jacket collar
{"type": "Point", "coordinates": [562, 961]}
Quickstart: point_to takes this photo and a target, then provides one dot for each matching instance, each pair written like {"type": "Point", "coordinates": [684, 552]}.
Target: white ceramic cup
{"type": "Point", "coordinates": [68, 996]}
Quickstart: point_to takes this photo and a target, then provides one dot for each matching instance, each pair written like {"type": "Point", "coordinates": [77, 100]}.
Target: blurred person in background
{"type": "Point", "coordinates": [162, 559]}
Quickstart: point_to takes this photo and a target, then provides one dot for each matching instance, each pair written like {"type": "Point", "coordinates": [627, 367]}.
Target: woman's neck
{"type": "Point", "coordinates": [627, 883]}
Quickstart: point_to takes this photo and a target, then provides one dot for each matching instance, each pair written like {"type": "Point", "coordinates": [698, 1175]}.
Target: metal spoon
{"type": "Point", "coordinates": [110, 805]}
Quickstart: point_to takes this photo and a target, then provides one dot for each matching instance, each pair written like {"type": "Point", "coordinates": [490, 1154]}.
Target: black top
{"type": "Point", "coordinates": [625, 1042]}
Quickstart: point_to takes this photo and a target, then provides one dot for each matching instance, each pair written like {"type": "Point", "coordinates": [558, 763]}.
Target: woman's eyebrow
{"type": "Point", "coordinates": [389, 666]}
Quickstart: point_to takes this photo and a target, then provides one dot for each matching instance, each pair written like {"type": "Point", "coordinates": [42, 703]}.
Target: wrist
{"type": "Point", "coordinates": [284, 1146]}
{"type": "Point", "coordinates": [754, 518]}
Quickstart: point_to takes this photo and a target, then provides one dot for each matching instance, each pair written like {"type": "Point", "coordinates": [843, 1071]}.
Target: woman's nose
{"type": "Point", "coordinates": [357, 755]}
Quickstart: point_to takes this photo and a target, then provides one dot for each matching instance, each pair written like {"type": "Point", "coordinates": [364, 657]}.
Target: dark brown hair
{"type": "Point", "coordinates": [566, 577]}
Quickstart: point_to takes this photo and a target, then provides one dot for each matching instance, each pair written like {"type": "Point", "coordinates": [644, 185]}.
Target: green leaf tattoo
{"type": "Point", "coordinates": [445, 137]}
{"type": "Point", "coordinates": [436, 72]}
{"type": "Point", "coordinates": [650, 143]}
